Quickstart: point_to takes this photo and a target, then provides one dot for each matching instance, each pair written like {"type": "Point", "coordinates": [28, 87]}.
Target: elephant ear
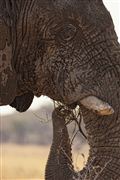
{"type": "Point", "coordinates": [8, 80]}
{"type": "Point", "coordinates": [23, 102]}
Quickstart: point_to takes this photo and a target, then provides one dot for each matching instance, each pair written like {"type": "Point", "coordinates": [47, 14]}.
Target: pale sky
{"type": "Point", "coordinates": [114, 7]}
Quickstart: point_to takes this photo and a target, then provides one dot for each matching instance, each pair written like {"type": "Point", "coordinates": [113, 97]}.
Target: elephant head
{"type": "Point", "coordinates": [66, 50]}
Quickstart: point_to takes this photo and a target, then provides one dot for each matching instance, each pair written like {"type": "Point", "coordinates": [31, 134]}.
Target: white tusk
{"type": "Point", "coordinates": [97, 105]}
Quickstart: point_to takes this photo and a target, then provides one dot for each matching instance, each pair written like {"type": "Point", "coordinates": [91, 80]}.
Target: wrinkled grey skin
{"type": "Point", "coordinates": [103, 162]}
{"type": "Point", "coordinates": [66, 50]}
{"type": "Point", "coordinates": [59, 165]}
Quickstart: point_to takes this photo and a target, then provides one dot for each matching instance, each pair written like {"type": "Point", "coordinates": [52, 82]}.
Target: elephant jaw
{"type": "Point", "coordinates": [97, 105]}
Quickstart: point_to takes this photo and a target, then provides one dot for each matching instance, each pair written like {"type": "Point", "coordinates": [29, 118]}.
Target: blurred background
{"type": "Point", "coordinates": [25, 138]}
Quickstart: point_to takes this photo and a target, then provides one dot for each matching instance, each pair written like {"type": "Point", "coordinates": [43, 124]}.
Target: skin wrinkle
{"type": "Point", "coordinates": [92, 129]}
{"type": "Point", "coordinates": [60, 158]}
{"type": "Point", "coordinates": [100, 138]}
{"type": "Point", "coordinates": [7, 73]}
{"type": "Point", "coordinates": [66, 50]}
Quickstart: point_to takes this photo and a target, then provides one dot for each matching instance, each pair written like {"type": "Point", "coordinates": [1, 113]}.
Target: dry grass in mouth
{"type": "Point", "coordinates": [72, 115]}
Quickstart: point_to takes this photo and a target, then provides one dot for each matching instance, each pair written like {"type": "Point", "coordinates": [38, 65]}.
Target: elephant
{"type": "Point", "coordinates": [67, 50]}
{"type": "Point", "coordinates": [59, 165]}
{"type": "Point", "coordinates": [103, 163]}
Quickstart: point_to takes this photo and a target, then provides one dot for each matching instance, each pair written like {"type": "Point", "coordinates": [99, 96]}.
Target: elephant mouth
{"type": "Point", "coordinates": [73, 112]}
{"type": "Point", "coordinates": [97, 106]}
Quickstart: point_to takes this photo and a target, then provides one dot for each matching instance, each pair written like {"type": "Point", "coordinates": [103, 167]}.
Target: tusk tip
{"type": "Point", "coordinates": [97, 105]}
{"type": "Point", "coordinates": [106, 111]}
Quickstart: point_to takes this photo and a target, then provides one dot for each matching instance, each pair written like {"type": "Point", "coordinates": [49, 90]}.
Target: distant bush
{"type": "Point", "coordinates": [27, 128]}
{"type": "Point", "coordinates": [33, 128]}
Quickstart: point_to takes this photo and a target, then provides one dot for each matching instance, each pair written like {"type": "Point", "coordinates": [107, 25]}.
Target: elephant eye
{"type": "Point", "coordinates": [66, 32]}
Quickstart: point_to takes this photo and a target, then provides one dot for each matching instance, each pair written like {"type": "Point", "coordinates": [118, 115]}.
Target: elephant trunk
{"type": "Point", "coordinates": [103, 131]}
{"type": "Point", "coordinates": [104, 140]}
{"type": "Point", "coordinates": [59, 165]}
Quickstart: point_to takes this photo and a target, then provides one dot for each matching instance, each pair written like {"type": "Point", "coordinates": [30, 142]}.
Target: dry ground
{"type": "Point", "coordinates": [28, 162]}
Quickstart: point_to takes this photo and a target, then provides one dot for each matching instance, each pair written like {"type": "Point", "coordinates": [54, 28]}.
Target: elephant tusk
{"type": "Point", "coordinates": [97, 105]}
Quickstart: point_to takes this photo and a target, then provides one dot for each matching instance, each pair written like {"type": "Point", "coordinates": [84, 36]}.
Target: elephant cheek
{"type": "Point", "coordinates": [8, 87]}
{"type": "Point", "coordinates": [8, 81]}
{"type": "Point", "coordinates": [8, 78]}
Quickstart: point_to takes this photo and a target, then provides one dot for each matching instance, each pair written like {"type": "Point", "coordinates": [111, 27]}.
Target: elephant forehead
{"type": "Point", "coordinates": [86, 8]}
{"type": "Point", "coordinates": [65, 3]}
